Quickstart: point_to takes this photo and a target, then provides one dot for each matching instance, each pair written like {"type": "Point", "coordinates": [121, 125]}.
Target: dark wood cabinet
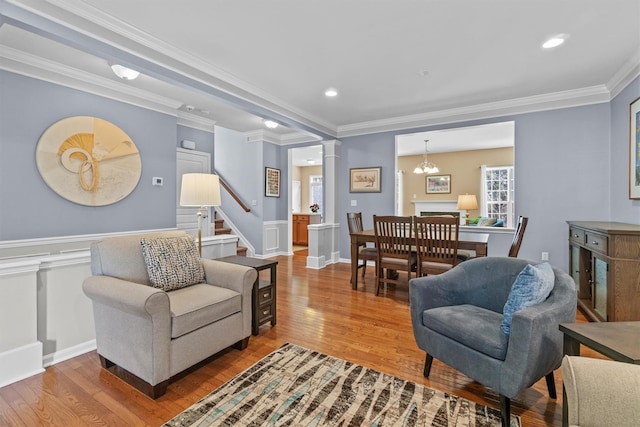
{"type": "Point", "coordinates": [263, 297]}
{"type": "Point", "coordinates": [604, 261]}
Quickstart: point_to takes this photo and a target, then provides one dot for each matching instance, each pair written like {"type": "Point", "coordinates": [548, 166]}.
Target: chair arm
{"type": "Point", "coordinates": [133, 325]}
{"type": "Point", "coordinates": [535, 344]}
{"type": "Point", "coordinates": [126, 296]}
{"type": "Point", "coordinates": [231, 276]}
{"type": "Point", "coordinates": [236, 277]}
{"type": "Point", "coordinates": [601, 392]}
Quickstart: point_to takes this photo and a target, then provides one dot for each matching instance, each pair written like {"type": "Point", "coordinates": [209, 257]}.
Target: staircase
{"type": "Point", "coordinates": [219, 228]}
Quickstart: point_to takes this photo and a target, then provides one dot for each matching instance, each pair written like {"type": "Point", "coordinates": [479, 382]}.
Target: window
{"type": "Point", "coordinates": [315, 190]}
{"type": "Point", "coordinates": [498, 193]}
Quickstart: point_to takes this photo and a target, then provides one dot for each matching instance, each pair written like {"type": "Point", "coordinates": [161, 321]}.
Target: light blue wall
{"type": "Point", "coordinates": [240, 164]}
{"type": "Point", "coordinates": [203, 139]}
{"type": "Point", "coordinates": [30, 209]}
{"type": "Point", "coordinates": [562, 173]}
{"type": "Point", "coordinates": [622, 208]}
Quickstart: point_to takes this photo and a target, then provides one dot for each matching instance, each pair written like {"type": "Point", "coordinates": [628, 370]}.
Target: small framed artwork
{"type": "Point", "coordinates": [364, 180]}
{"type": "Point", "coordinates": [272, 182]}
{"type": "Point", "coordinates": [438, 184]}
{"type": "Point", "coordinates": [634, 150]}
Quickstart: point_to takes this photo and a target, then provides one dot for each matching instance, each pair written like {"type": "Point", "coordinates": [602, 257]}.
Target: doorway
{"type": "Point", "coordinates": [305, 174]}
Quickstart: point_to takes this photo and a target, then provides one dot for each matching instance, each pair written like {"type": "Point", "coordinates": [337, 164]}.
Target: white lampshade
{"type": "Point", "coordinates": [200, 189]}
{"type": "Point", "coordinates": [467, 201]}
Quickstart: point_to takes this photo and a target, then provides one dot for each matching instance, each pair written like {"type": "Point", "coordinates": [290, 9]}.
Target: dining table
{"type": "Point", "coordinates": [477, 242]}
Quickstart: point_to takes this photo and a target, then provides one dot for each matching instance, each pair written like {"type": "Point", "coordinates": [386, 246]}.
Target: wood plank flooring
{"type": "Point", "coordinates": [316, 309]}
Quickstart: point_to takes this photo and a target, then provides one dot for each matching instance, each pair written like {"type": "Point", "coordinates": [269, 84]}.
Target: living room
{"type": "Point", "coordinates": [571, 157]}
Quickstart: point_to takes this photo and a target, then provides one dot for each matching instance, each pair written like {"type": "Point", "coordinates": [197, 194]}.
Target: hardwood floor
{"type": "Point", "coordinates": [316, 309]}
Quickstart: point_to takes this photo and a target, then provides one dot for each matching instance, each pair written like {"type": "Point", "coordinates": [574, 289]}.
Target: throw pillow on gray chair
{"type": "Point", "coordinates": [457, 318]}
{"type": "Point", "coordinates": [160, 309]}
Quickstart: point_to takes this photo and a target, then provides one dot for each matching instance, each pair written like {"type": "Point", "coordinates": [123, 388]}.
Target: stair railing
{"type": "Point", "coordinates": [233, 194]}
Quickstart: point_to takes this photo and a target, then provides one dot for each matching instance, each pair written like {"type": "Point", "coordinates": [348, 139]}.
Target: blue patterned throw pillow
{"type": "Point", "coordinates": [532, 286]}
{"type": "Point", "coordinates": [172, 262]}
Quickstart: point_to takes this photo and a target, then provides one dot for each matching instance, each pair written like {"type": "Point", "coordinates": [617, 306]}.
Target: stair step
{"type": "Point", "coordinates": [241, 251]}
{"type": "Point", "coordinates": [218, 223]}
{"type": "Point", "coordinates": [222, 231]}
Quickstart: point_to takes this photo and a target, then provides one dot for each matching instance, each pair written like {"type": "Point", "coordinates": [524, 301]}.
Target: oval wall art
{"type": "Point", "coordinates": [88, 161]}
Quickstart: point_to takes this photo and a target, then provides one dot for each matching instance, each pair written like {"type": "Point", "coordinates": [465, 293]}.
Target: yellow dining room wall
{"type": "Point", "coordinates": [464, 168]}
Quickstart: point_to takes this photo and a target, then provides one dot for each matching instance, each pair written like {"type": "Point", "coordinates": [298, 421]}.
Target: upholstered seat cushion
{"type": "Point", "coordinates": [482, 333]}
{"type": "Point", "coordinates": [199, 305]}
{"type": "Point", "coordinates": [399, 261]}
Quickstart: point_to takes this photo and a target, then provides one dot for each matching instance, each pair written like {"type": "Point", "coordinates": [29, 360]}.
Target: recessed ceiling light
{"type": "Point", "coordinates": [331, 92]}
{"type": "Point", "coordinates": [124, 73]}
{"type": "Point", "coordinates": [270, 124]}
{"type": "Point", "coordinates": [311, 161]}
{"type": "Point", "coordinates": [555, 41]}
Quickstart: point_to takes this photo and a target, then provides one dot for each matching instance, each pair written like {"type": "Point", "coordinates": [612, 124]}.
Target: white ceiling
{"type": "Point", "coordinates": [396, 64]}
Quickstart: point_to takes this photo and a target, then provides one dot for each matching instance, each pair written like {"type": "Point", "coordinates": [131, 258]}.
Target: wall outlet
{"type": "Point", "coordinates": [157, 181]}
{"type": "Point", "coordinates": [354, 203]}
{"type": "Point", "coordinates": [545, 256]}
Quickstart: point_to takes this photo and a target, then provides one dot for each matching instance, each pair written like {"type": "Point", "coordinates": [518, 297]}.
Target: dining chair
{"type": "Point", "coordinates": [518, 236]}
{"type": "Point", "coordinates": [395, 245]}
{"type": "Point", "coordinates": [436, 244]}
{"type": "Point", "coordinates": [354, 221]}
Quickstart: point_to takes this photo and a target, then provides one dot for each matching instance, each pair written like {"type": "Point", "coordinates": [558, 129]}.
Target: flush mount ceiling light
{"type": "Point", "coordinates": [311, 162]}
{"type": "Point", "coordinates": [124, 73]}
{"type": "Point", "coordinates": [426, 166]}
{"type": "Point", "coordinates": [331, 92]}
{"type": "Point", "coordinates": [555, 41]}
{"type": "Point", "coordinates": [270, 124]}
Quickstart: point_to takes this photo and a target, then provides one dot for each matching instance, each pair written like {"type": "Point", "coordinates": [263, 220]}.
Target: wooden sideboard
{"type": "Point", "coordinates": [300, 222]}
{"type": "Point", "coordinates": [604, 261]}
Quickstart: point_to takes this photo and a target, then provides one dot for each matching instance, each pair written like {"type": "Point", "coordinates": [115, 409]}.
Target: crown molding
{"type": "Point", "coordinates": [625, 75]}
{"type": "Point", "coordinates": [280, 139]}
{"type": "Point", "coordinates": [194, 121]}
{"type": "Point", "coordinates": [39, 68]}
{"type": "Point", "coordinates": [551, 101]}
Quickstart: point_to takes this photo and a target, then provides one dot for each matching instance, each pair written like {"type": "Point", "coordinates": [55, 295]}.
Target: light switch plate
{"type": "Point", "coordinates": [354, 203]}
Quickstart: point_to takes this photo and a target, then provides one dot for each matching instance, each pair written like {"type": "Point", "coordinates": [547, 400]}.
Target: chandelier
{"type": "Point", "coordinates": [426, 166]}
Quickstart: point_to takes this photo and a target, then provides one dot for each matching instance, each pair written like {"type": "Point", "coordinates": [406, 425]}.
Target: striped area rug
{"type": "Point", "coordinates": [294, 386]}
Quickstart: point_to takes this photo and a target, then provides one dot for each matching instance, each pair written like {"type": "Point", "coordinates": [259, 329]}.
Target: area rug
{"type": "Point", "coordinates": [294, 386]}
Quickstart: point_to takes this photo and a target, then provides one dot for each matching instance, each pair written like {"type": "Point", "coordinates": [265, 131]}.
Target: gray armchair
{"type": "Point", "coordinates": [456, 319]}
{"type": "Point", "coordinates": [147, 335]}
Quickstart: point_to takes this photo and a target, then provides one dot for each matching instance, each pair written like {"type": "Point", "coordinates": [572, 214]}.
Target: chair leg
{"type": "Point", "coordinates": [505, 410]}
{"type": "Point", "coordinates": [364, 268]}
{"type": "Point", "coordinates": [427, 365]}
{"type": "Point", "coordinates": [551, 385]}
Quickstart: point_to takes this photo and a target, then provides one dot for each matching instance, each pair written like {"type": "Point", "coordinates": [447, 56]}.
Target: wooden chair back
{"type": "Point", "coordinates": [394, 242]}
{"type": "Point", "coordinates": [436, 242]}
{"type": "Point", "coordinates": [354, 222]}
{"type": "Point", "coordinates": [518, 236]}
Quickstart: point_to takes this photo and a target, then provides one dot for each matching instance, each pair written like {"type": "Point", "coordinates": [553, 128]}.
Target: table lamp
{"type": "Point", "coordinates": [200, 190]}
{"type": "Point", "coordinates": [467, 202]}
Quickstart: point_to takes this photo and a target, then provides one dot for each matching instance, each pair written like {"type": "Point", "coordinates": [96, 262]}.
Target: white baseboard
{"type": "Point", "coordinates": [68, 353]}
{"type": "Point", "coordinates": [20, 363]}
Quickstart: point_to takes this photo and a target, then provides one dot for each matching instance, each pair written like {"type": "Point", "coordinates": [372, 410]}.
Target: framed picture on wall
{"type": "Point", "coordinates": [364, 180]}
{"type": "Point", "coordinates": [272, 182]}
{"type": "Point", "coordinates": [634, 150]}
{"type": "Point", "coordinates": [438, 184]}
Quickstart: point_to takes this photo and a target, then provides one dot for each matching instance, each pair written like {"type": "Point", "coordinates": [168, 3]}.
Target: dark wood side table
{"type": "Point", "coordinates": [263, 297]}
{"type": "Point", "coordinates": [617, 340]}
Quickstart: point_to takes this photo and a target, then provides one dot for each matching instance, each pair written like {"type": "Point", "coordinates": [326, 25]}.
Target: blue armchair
{"type": "Point", "coordinates": [456, 319]}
